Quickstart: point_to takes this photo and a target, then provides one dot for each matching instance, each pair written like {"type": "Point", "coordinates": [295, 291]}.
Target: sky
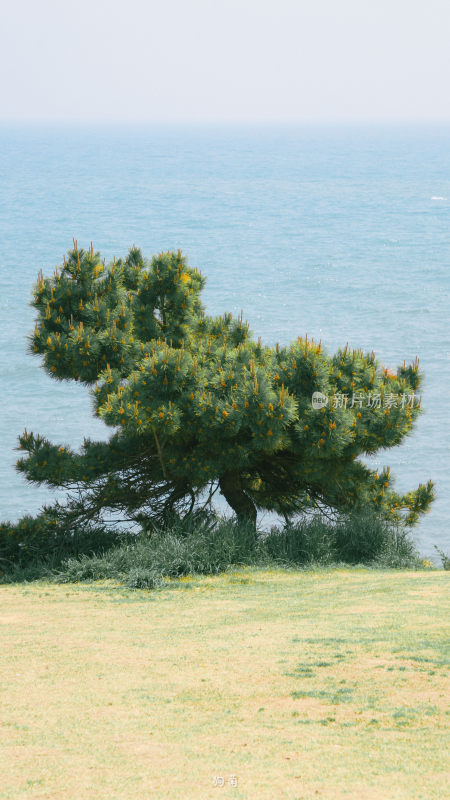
{"type": "Point", "coordinates": [252, 61]}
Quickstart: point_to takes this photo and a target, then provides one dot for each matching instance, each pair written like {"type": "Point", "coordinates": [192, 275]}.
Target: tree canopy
{"type": "Point", "coordinates": [196, 405]}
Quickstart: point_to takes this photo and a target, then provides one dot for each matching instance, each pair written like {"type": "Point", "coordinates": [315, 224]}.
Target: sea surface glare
{"type": "Point", "coordinates": [341, 233]}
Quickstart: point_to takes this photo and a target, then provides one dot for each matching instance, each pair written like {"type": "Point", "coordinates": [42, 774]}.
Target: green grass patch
{"type": "Point", "coordinates": [301, 684]}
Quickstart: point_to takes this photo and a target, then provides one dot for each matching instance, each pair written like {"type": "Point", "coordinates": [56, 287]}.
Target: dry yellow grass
{"type": "Point", "coordinates": [328, 684]}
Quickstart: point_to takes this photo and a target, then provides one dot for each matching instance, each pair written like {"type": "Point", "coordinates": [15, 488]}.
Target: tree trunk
{"type": "Point", "coordinates": [240, 502]}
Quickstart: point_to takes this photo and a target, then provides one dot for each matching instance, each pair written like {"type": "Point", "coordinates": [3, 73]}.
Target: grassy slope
{"type": "Point", "coordinates": [327, 684]}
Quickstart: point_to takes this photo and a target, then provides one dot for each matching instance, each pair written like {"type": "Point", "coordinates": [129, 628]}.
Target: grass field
{"type": "Point", "coordinates": [319, 684]}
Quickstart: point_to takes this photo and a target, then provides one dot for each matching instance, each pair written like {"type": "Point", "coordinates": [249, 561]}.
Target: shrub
{"type": "Point", "coordinates": [444, 558]}
{"type": "Point", "coordinates": [306, 541]}
{"type": "Point", "coordinates": [360, 538]}
{"type": "Point", "coordinates": [166, 552]}
{"type": "Point", "coordinates": [47, 536]}
{"type": "Point", "coordinates": [206, 544]}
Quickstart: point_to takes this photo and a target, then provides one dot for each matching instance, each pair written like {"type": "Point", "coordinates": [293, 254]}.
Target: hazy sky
{"type": "Point", "coordinates": [224, 60]}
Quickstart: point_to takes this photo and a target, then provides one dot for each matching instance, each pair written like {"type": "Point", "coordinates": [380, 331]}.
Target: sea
{"type": "Point", "coordinates": [340, 232]}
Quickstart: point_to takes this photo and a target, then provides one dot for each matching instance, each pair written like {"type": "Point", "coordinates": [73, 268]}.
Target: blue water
{"type": "Point", "coordinates": [341, 233]}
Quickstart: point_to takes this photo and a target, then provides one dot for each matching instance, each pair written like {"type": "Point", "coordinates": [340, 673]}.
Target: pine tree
{"type": "Point", "coordinates": [196, 405]}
